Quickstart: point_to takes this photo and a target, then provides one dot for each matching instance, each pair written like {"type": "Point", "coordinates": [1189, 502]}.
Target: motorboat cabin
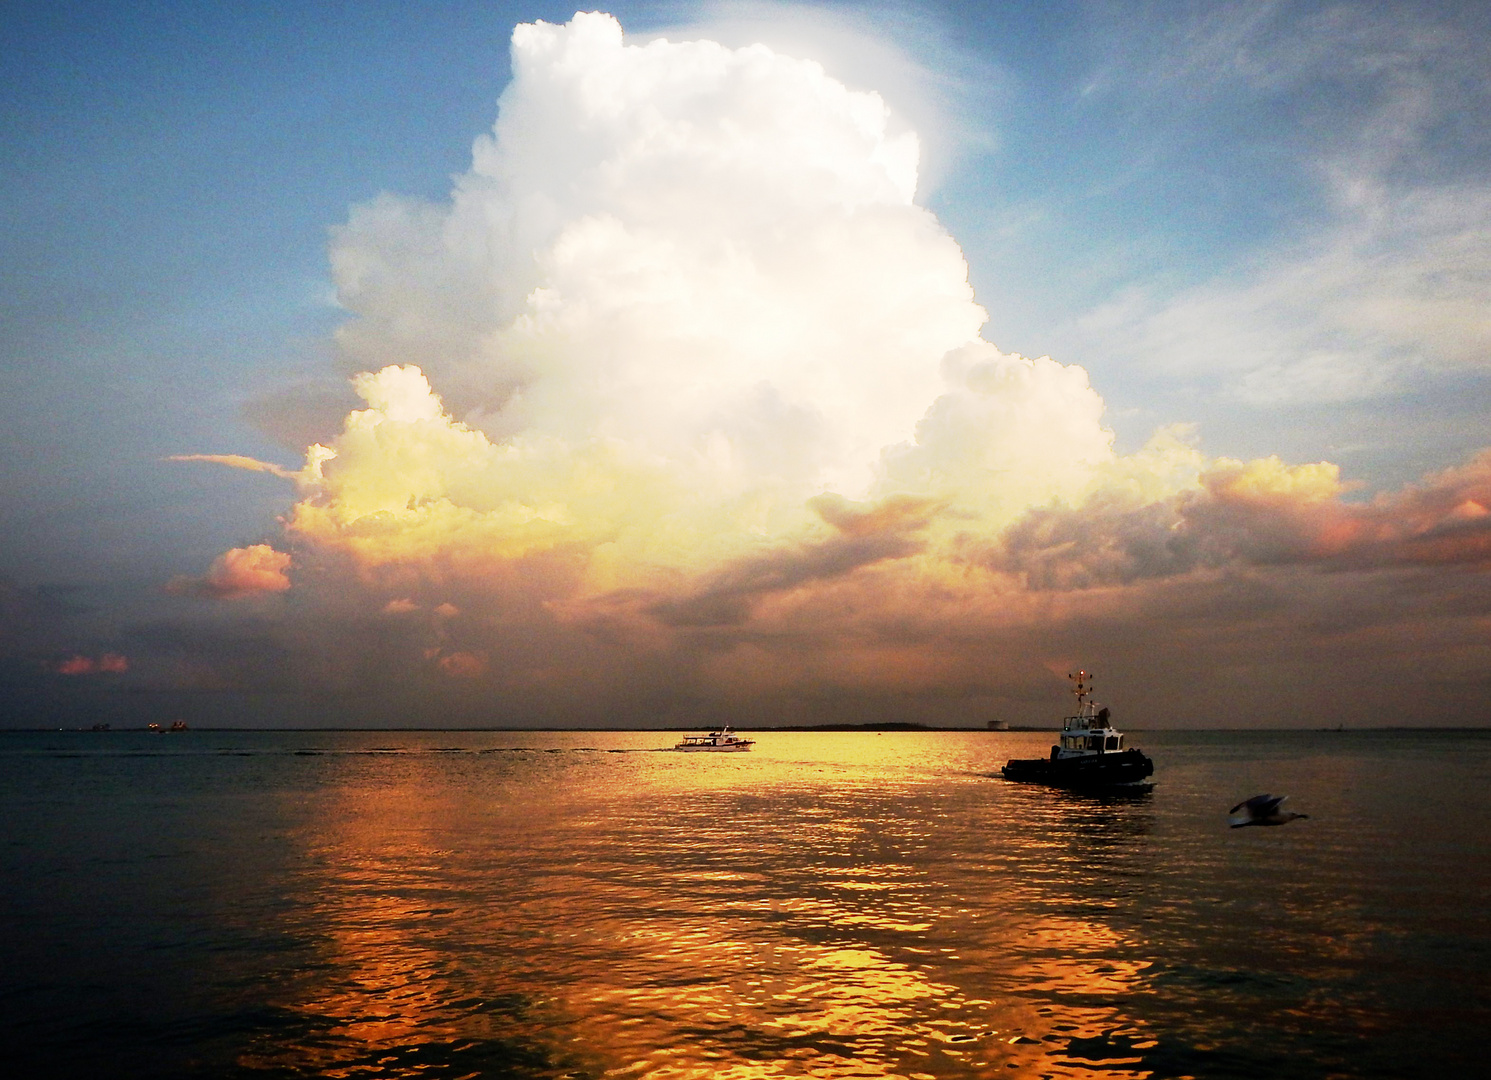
{"type": "Point", "coordinates": [722, 740]}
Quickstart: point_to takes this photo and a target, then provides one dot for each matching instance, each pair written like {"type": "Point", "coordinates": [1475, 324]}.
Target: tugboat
{"type": "Point", "coordinates": [722, 740]}
{"type": "Point", "coordinates": [1090, 755]}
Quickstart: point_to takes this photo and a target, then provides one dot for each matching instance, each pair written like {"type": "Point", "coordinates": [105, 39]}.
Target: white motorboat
{"type": "Point", "coordinates": [723, 740]}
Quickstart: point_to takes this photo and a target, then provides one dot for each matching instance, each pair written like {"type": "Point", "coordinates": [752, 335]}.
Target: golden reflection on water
{"type": "Point", "coordinates": [550, 906]}
{"type": "Point", "coordinates": [837, 905]}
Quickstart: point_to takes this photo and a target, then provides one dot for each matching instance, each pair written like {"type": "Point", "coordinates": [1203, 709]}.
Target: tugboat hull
{"type": "Point", "coordinates": [1127, 769]}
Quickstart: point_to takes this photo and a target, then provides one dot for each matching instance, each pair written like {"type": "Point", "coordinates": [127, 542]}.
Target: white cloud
{"type": "Point", "coordinates": [683, 290]}
{"type": "Point", "coordinates": [684, 246]}
{"type": "Point", "coordinates": [922, 67]}
{"type": "Point", "coordinates": [1009, 433]}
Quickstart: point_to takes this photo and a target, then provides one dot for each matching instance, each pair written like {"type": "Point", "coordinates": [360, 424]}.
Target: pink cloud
{"type": "Point", "coordinates": [107, 664]}
{"type": "Point", "coordinates": [1261, 513]}
{"type": "Point", "coordinates": [245, 571]}
{"type": "Point", "coordinates": [1441, 520]}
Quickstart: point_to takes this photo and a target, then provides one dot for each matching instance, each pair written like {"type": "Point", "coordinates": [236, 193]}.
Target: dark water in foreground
{"type": "Point", "coordinates": [836, 904]}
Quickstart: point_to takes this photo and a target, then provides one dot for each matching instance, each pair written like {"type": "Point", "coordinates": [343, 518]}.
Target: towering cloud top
{"type": "Point", "coordinates": [707, 253]}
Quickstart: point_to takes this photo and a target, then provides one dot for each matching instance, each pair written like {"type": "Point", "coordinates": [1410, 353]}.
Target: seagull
{"type": "Point", "coordinates": [1261, 810]}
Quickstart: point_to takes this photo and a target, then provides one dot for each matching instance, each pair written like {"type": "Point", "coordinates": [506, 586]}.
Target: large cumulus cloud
{"type": "Point", "coordinates": [704, 252]}
{"type": "Point", "coordinates": [680, 402]}
{"type": "Point", "coordinates": [682, 290]}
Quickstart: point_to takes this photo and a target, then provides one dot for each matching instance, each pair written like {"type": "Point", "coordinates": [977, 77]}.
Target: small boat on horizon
{"type": "Point", "coordinates": [1090, 755]}
{"type": "Point", "coordinates": [723, 740]}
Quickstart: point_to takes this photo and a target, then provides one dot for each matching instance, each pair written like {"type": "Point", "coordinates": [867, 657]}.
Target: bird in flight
{"type": "Point", "coordinates": [1261, 810]}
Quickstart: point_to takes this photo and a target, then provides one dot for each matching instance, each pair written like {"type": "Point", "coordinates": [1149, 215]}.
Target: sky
{"type": "Point", "coordinates": [495, 364]}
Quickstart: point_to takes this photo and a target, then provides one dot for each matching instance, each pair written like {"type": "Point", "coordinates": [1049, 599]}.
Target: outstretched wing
{"type": "Point", "coordinates": [1258, 805]}
{"type": "Point", "coordinates": [1255, 811]}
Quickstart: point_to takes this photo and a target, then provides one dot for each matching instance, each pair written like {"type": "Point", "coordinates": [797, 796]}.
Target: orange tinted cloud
{"type": "Point", "coordinates": [462, 665]}
{"type": "Point", "coordinates": [238, 461]}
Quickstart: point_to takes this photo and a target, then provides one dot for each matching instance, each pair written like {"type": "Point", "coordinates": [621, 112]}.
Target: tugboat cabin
{"type": "Point", "coordinates": [1088, 732]}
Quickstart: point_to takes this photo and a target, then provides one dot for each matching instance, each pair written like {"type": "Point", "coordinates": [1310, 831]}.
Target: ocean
{"type": "Point", "coordinates": [831, 904]}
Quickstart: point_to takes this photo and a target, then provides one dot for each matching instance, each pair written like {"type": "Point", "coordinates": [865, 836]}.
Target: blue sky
{"type": "Point", "coordinates": [1269, 220]}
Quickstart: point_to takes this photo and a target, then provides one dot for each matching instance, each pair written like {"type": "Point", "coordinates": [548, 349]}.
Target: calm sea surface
{"type": "Point", "coordinates": [538, 904]}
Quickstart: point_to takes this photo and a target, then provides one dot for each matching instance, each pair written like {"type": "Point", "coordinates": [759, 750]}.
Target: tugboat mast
{"type": "Point", "coordinates": [1083, 690]}
{"type": "Point", "coordinates": [1083, 687]}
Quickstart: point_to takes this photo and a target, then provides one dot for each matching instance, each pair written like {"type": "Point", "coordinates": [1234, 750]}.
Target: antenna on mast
{"type": "Point", "coordinates": [1084, 686]}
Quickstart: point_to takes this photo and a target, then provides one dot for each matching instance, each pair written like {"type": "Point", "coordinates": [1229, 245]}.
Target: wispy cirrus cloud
{"type": "Point", "coordinates": [1386, 280]}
